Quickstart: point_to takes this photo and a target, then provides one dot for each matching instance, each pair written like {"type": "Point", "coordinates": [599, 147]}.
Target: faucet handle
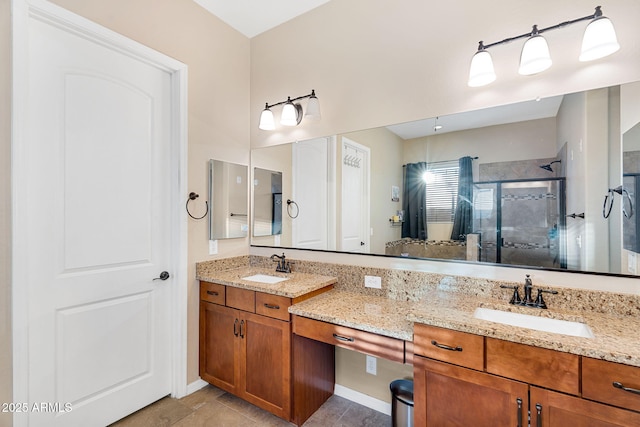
{"type": "Point", "coordinates": [515, 299]}
{"type": "Point", "coordinates": [540, 301]}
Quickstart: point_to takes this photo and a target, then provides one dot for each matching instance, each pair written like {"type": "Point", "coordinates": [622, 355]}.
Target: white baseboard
{"type": "Point", "coordinates": [196, 385]}
{"type": "Point", "coordinates": [362, 399]}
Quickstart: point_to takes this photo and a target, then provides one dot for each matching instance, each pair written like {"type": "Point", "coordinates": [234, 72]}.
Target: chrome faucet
{"type": "Point", "coordinates": [527, 301]}
{"type": "Point", "coordinates": [283, 266]}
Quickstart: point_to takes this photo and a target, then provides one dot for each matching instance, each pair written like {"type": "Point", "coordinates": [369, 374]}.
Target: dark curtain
{"type": "Point", "coordinates": [414, 201]}
{"type": "Point", "coordinates": [462, 219]}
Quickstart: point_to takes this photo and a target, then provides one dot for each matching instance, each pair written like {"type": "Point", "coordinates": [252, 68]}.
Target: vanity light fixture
{"type": "Point", "coordinates": [291, 112]}
{"type": "Point", "coordinates": [436, 126]}
{"type": "Point", "coordinates": [599, 40]}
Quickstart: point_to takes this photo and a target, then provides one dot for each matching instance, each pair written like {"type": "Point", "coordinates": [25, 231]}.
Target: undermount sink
{"type": "Point", "coordinates": [265, 278]}
{"type": "Point", "coordinates": [545, 324]}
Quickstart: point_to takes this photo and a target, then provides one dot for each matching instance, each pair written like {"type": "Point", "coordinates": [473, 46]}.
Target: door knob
{"type": "Point", "coordinates": [163, 276]}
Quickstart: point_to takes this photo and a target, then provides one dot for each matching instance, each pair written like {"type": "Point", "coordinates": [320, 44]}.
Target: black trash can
{"type": "Point", "coordinates": [401, 403]}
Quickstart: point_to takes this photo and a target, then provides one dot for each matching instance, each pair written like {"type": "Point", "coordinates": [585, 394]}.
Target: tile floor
{"type": "Point", "coordinates": [211, 406]}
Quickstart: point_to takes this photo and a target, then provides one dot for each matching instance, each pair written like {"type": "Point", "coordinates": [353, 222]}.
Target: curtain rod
{"type": "Point", "coordinates": [447, 161]}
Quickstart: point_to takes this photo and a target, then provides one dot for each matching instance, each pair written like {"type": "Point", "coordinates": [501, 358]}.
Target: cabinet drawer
{"type": "Point", "coordinates": [212, 292]}
{"type": "Point", "coordinates": [242, 299]}
{"type": "Point", "coordinates": [534, 365]}
{"type": "Point", "coordinates": [598, 377]}
{"type": "Point", "coordinates": [459, 348]}
{"type": "Point", "coordinates": [273, 306]}
{"type": "Point", "coordinates": [365, 342]}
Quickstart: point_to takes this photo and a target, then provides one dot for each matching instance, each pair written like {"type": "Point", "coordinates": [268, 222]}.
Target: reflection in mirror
{"type": "Point", "coordinates": [228, 192]}
{"type": "Point", "coordinates": [535, 197]}
{"type": "Point", "coordinates": [630, 185]}
{"type": "Point", "coordinates": [267, 202]}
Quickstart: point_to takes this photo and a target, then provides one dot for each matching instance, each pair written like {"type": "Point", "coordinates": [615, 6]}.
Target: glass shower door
{"type": "Point", "coordinates": [521, 222]}
{"type": "Point", "coordinates": [533, 224]}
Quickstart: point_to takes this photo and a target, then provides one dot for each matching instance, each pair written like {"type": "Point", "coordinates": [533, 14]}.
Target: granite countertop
{"type": "Point", "coordinates": [375, 314]}
{"type": "Point", "coordinates": [616, 338]}
{"type": "Point", "coordinates": [296, 285]}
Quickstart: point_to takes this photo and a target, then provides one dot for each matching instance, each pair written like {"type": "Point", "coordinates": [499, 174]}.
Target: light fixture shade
{"type": "Point", "coordinates": [481, 72]}
{"type": "Point", "coordinates": [313, 108]}
{"type": "Point", "coordinates": [535, 56]}
{"type": "Point", "coordinates": [266, 120]}
{"type": "Point", "coordinates": [599, 40]}
{"type": "Point", "coordinates": [289, 114]}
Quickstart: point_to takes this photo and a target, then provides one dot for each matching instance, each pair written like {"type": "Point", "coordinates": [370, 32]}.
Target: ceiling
{"type": "Point", "coordinates": [528, 110]}
{"type": "Point", "coordinates": [252, 17]}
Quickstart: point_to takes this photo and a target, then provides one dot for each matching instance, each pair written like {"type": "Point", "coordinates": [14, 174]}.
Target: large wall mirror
{"type": "Point", "coordinates": [267, 202]}
{"type": "Point", "coordinates": [522, 184]}
{"type": "Point", "coordinates": [228, 192]}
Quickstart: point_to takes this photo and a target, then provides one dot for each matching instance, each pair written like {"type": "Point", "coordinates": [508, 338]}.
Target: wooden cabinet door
{"type": "Point", "coordinates": [448, 395]}
{"type": "Point", "coordinates": [266, 363]}
{"type": "Point", "coordinates": [552, 409]}
{"type": "Point", "coordinates": [219, 346]}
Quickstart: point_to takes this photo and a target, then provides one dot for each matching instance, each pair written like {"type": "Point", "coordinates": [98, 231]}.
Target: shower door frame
{"type": "Point", "coordinates": [636, 183]}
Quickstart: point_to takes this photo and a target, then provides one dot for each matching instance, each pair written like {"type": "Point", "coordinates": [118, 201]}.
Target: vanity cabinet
{"type": "Point", "coordinates": [467, 379]}
{"type": "Point", "coordinates": [244, 353]}
{"type": "Point", "coordinates": [246, 345]}
{"type": "Point", "coordinates": [553, 409]}
{"type": "Point", "coordinates": [445, 394]}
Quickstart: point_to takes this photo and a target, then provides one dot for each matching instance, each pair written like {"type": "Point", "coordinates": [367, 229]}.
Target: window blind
{"type": "Point", "coordinates": [442, 190]}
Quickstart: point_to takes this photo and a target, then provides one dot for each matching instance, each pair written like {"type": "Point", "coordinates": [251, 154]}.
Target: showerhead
{"type": "Point", "coordinates": [547, 167]}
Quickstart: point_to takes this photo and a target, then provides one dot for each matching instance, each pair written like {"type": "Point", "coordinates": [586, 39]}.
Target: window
{"type": "Point", "coordinates": [442, 190]}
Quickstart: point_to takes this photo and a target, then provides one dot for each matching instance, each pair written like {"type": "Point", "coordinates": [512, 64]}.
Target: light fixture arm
{"type": "Point", "coordinates": [596, 14]}
{"type": "Point", "coordinates": [289, 99]}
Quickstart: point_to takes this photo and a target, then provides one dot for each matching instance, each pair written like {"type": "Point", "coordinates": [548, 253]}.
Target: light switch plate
{"type": "Point", "coordinates": [632, 262]}
{"type": "Point", "coordinates": [373, 282]}
{"type": "Point", "coordinates": [372, 365]}
{"type": "Point", "coordinates": [213, 247]}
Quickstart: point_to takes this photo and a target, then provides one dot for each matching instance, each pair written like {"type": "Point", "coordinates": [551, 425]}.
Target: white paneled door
{"type": "Point", "coordinates": [96, 181]}
{"type": "Point", "coordinates": [314, 193]}
{"type": "Point", "coordinates": [355, 211]}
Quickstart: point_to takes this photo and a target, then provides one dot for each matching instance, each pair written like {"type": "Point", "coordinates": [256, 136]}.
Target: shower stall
{"type": "Point", "coordinates": [521, 222]}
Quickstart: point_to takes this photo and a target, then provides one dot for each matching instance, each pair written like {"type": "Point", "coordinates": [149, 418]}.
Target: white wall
{"type": "Point", "coordinates": [571, 131]}
{"type": "Point", "coordinates": [375, 62]}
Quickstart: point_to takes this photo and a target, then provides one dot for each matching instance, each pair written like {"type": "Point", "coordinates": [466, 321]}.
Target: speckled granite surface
{"type": "Point", "coordinates": [375, 314]}
{"type": "Point", "coordinates": [406, 285]}
{"type": "Point", "coordinates": [297, 284]}
{"type": "Point", "coordinates": [207, 268]}
{"type": "Point", "coordinates": [616, 337]}
{"type": "Point", "coordinates": [449, 301]}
